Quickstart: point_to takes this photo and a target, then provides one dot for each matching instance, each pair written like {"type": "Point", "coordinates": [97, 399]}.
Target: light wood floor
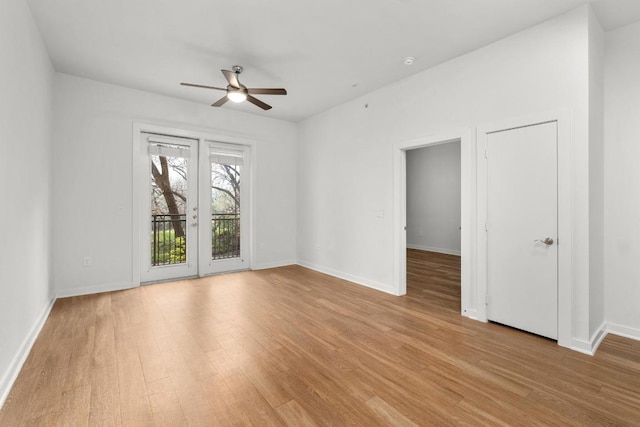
{"type": "Point", "coordinates": [290, 346]}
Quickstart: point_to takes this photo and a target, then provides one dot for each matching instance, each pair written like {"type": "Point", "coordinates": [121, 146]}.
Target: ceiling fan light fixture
{"type": "Point", "coordinates": [237, 96]}
{"type": "Point", "coordinates": [237, 92]}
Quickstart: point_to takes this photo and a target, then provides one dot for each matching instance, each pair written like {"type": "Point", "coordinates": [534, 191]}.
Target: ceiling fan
{"type": "Point", "coordinates": [237, 92]}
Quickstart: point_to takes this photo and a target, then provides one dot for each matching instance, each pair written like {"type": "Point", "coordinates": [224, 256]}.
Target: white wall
{"type": "Point", "coordinates": [433, 198]}
{"type": "Point", "coordinates": [25, 146]}
{"type": "Point", "coordinates": [622, 180]}
{"type": "Point", "coordinates": [93, 178]}
{"type": "Point", "coordinates": [596, 178]}
{"type": "Point", "coordinates": [345, 155]}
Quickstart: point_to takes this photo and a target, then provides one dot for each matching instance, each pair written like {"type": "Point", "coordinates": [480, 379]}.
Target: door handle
{"type": "Point", "coordinates": [547, 241]}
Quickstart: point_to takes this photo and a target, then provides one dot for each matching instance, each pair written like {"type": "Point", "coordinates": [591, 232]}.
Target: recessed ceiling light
{"type": "Point", "coordinates": [408, 60]}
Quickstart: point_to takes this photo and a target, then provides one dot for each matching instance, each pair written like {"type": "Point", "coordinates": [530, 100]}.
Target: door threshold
{"type": "Point", "coordinates": [227, 272]}
{"type": "Point", "coordinates": [174, 279]}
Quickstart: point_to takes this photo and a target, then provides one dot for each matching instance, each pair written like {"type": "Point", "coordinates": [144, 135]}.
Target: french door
{"type": "Point", "coordinates": [194, 218]}
{"type": "Point", "coordinates": [224, 230]}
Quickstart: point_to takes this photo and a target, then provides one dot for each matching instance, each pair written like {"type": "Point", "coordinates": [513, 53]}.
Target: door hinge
{"type": "Point", "coordinates": [486, 299]}
{"type": "Point", "coordinates": [486, 226]}
{"type": "Point", "coordinates": [486, 155]}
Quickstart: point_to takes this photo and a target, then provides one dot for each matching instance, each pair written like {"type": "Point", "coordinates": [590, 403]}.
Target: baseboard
{"type": "Point", "coordinates": [431, 249]}
{"type": "Point", "coordinates": [266, 265]}
{"type": "Point", "coordinates": [470, 313]}
{"type": "Point", "coordinates": [623, 331]}
{"type": "Point", "coordinates": [16, 364]}
{"type": "Point", "coordinates": [590, 347]}
{"type": "Point", "coordinates": [97, 289]}
{"type": "Point", "coordinates": [598, 336]}
{"type": "Point", "coordinates": [348, 277]}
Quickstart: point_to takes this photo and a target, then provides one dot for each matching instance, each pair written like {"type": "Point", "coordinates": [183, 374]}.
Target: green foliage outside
{"type": "Point", "coordinates": [225, 237]}
{"type": "Point", "coordinates": [168, 249]}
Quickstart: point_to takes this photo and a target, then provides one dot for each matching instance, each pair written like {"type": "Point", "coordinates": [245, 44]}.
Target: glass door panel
{"type": "Point", "coordinates": [226, 234]}
{"type": "Point", "coordinates": [170, 223]}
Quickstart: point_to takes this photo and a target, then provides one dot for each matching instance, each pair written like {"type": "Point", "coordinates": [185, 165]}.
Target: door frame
{"type": "Point", "coordinates": [565, 193]}
{"type": "Point", "coordinates": [138, 167]}
{"type": "Point", "coordinates": [467, 195]}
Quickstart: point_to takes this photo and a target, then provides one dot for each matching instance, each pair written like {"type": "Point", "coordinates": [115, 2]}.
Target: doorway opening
{"type": "Point", "coordinates": [466, 226]}
{"type": "Point", "coordinates": [433, 221]}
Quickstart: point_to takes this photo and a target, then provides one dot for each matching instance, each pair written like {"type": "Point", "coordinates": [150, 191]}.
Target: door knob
{"type": "Point", "coordinates": [547, 241]}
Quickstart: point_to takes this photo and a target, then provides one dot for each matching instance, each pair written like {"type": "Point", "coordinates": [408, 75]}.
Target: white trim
{"type": "Point", "coordinates": [565, 218]}
{"type": "Point", "coordinates": [11, 374]}
{"type": "Point", "coordinates": [253, 204]}
{"type": "Point", "coordinates": [598, 336]}
{"type": "Point", "coordinates": [136, 170]}
{"type": "Point", "coordinates": [432, 249]}
{"type": "Point", "coordinates": [590, 347]}
{"type": "Point", "coordinates": [348, 277]}
{"type": "Point", "coordinates": [97, 289]}
{"type": "Point", "coordinates": [268, 265]}
{"type": "Point", "coordinates": [467, 207]}
{"type": "Point", "coordinates": [581, 346]}
{"type": "Point", "coordinates": [623, 331]}
{"type": "Point", "coordinates": [471, 314]}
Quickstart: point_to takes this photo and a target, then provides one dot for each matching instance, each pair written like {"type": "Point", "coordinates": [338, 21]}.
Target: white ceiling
{"type": "Point", "coordinates": [323, 52]}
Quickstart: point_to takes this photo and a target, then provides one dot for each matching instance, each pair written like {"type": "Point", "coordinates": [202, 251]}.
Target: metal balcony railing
{"type": "Point", "coordinates": [168, 238]}
{"type": "Point", "coordinates": [168, 241]}
{"type": "Point", "coordinates": [225, 235]}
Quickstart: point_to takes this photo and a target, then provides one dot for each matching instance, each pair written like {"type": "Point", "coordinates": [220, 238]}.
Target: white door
{"type": "Point", "coordinates": [522, 228]}
{"type": "Point", "coordinates": [195, 213]}
{"type": "Point", "coordinates": [224, 236]}
{"type": "Point", "coordinates": [168, 222]}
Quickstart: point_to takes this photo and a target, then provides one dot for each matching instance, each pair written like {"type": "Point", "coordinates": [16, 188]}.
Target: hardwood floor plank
{"type": "Point", "coordinates": [294, 415]}
{"type": "Point", "coordinates": [164, 402]}
{"type": "Point", "coordinates": [187, 386]}
{"type": "Point", "coordinates": [223, 403]}
{"type": "Point", "coordinates": [389, 413]}
{"type": "Point", "coordinates": [135, 408]}
{"type": "Point", "coordinates": [270, 388]}
{"type": "Point", "coordinates": [151, 362]}
{"type": "Point", "coordinates": [74, 407]}
{"type": "Point", "coordinates": [291, 346]}
{"type": "Point", "coordinates": [104, 407]}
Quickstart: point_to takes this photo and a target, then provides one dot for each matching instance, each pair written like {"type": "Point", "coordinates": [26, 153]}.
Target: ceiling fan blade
{"type": "Point", "coordinates": [220, 101]}
{"type": "Point", "coordinates": [202, 86]}
{"type": "Point", "coordinates": [231, 77]}
{"type": "Point", "coordinates": [266, 91]}
{"type": "Point", "coordinates": [257, 102]}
